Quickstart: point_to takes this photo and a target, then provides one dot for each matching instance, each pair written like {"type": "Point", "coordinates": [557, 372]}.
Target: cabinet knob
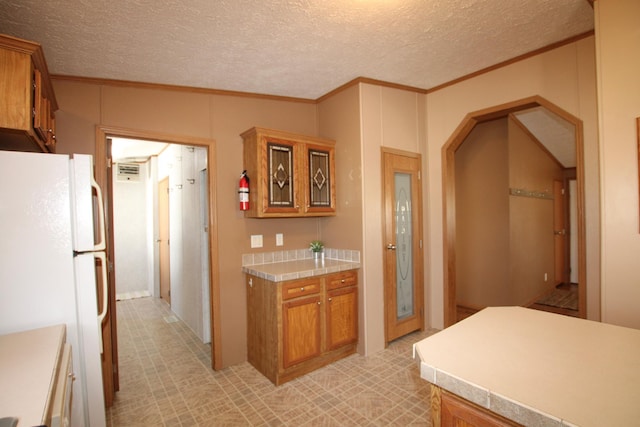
{"type": "Point", "coordinates": [342, 281]}
{"type": "Point", "coordinates": [301, 289]}
{"type": "Point", "coordinates": [318, 302]}
{"type": "Point", "coordinates": [329, 299]}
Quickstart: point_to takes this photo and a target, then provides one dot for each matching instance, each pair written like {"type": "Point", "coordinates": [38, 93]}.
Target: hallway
{"type": "Point", "coordinates": [166, 380]}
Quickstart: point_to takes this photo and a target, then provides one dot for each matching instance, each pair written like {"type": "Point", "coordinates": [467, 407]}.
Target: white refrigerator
{"type": "Point", "coordinates": [49, 205]}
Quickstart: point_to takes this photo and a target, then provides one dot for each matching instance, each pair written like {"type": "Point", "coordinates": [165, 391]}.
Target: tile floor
{"type": "Point", "coordinates": [165, 380]}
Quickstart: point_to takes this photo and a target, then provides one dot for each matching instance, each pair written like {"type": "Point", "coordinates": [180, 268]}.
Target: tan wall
{"type": "Point", "coordinates": [531, 245]}
{"type": "Point", "coordinates": [618, 63]}
{"type": "Point", "coordinates": [339, 119]}
{"type": "Point", "coordinates": [565, 77]}
{"type": "Point", "coordinates": [395, 119]}
{"type": "Point", "coordinates": [222, 118]}
{"type": "Point", "coordinates": [504, 244]}
{"type": "Point", "coordinates": [482, 217]}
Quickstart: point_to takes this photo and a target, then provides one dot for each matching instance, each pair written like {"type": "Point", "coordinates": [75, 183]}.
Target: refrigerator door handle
{"type": "Point", "coordinates": [101, 245]}
{"type": "Point", "coordinates": [105, 294]}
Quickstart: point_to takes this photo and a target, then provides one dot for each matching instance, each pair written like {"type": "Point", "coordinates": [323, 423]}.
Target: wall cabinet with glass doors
{"type": "Point", "coordinates": [290, 175]}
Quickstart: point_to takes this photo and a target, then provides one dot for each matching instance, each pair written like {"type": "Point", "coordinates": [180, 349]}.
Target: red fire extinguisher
{"type": "Point", "coordinates": [243, 191]}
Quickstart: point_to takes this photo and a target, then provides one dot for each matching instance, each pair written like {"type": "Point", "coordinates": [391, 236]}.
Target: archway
{"type": "Point", "coordinates": [449, 191]}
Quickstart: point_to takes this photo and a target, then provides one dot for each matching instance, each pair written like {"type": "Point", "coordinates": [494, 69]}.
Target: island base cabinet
{"type": "Point", "coordinates": [449, 410]}
{"type": "Point", "coordinates": [298, 326]}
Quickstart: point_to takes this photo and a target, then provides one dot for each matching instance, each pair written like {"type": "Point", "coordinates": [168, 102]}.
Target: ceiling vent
{"type": "Point", "coordinates": [128, 172]}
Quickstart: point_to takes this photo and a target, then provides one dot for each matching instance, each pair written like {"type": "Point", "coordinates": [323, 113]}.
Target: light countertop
{"type": "Point", "coordinates": [538, 368]}
{"type": "Point", "coordinates": [297, 269]}
{"type": "Point", "coordinates": [28, 367]}
{"type": "Point", "coordinates": [298, 264]}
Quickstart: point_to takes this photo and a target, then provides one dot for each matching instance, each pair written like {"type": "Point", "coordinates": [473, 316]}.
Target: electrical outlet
{"type": "Point", "coordinates": [279, 239]}
{"type": "Point", "coordinates": [256, 241]}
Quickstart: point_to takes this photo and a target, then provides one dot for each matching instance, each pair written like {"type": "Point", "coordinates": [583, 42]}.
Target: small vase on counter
{"type": "Point", "coordinates": [317, 248]}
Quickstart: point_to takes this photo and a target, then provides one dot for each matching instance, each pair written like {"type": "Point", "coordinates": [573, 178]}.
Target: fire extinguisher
{"type": "Point", "coordinates": [243, 191]}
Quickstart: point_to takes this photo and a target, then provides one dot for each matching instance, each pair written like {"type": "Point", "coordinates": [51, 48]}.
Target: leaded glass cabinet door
{"type": "Point", "coordinates": [320, 191]}
{"type": "Point", "coordinates": [281, 177]}
{"type": "Point", "coordinates": [403, 274]}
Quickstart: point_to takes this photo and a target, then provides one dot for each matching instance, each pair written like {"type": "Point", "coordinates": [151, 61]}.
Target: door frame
{"type": "Point", "coordinates": [449, 195]}
{"type": "Point", "coordinates": [164, 211]}
{"type": "Point", "coordinates": [102, 132]}
{"type": "Point", "coordinates": [418, 254]}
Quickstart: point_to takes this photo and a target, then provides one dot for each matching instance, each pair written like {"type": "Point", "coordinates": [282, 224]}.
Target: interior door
{"type": "Point", "coordinates": [559, 233]}
{"type": "Point", "coordinates": [110, 377]}
{"type": "Point", "coordinates": [163, 239]}
{"type": "Point", "coordinates": [403, 257]}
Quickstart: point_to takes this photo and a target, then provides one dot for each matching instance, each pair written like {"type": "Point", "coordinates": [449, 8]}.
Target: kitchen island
{"type": "Point", "coordinates": [530, 367]}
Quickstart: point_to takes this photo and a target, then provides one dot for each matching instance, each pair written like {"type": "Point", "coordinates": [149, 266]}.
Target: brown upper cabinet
{"type": "Point", "coordinates": [290, 175]}
{"type": "Point", "coordinates": [27, 100]}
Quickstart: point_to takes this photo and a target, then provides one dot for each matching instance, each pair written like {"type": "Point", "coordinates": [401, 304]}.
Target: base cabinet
{"type": "Point", "coordinates": [449, 410]}
{"type": "Point", "coordinates": [298, 326]}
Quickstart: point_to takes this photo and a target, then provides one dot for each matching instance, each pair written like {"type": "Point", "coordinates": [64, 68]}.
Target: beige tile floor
{"type": "Point", "coordinates": [165, 380]}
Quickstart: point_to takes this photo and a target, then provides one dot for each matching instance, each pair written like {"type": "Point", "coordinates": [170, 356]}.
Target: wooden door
{"type": "Point", "coordinates": [110, 377]}
{"type": "Point", "coordinates": [456, 412]}
{"type": "Point", "coordinates": [342, 317]}
{"type": "Point", "coordinates": [559, 233]}
{"type": "Point", "coordinates": [403, 256]}
{"type": "Point", "coordinates": [300, 330]}
{"type": "Point", "coordinates": [163, 240]}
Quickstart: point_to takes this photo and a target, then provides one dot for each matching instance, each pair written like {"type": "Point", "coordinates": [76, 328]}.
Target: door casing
{"type": "Point", "coordinates": [393, 161]}
{"type": "Point", "coordinates": [102, 132]}
{"type": "Point", "coordinates": [449, 194]}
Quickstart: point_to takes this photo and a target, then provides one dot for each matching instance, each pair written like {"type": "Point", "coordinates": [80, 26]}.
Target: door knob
{"type": "Point", "coordinates": [391, 247]}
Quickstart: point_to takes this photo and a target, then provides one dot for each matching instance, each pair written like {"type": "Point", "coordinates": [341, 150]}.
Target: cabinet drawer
{"type": "Point", "coordinates": [300, 288]}
{"type": "Point", "coordinates": [340, 280]}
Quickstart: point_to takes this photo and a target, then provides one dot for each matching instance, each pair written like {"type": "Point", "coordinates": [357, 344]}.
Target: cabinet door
{"type": "Point", "coordinates": [342, 317]}
{"type": "Point", "coordinates": [300, 330]}
{"type": "Point", "coordinates": [319, 174]}
{"type": "Point", "coordinates": [460, 413]}
{"type": "Point", "coordinates": [282, 177]}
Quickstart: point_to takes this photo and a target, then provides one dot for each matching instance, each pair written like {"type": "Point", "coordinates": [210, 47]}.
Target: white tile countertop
{"type": "Point", "coordinates": [296, 264]}
{"type": "Point", "coordinates": [538, 368]}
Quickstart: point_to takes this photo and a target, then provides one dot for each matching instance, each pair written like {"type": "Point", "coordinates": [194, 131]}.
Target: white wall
{"type": "Point", "coordinates": [131, 234]}
{"type": "Point", "coordinates": [618, 64]}
{"type": "Point", "coordinates": [179, 163]}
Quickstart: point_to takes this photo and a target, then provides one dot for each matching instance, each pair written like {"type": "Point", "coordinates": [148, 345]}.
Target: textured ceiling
{"type": "Point", "coordinates": [296, 48]}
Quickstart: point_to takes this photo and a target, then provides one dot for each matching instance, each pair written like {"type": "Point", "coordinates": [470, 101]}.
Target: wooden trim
{"type": "Point", "coordinates": [513, 60]}
{"type": "Point", "coordinates": [367, 80]}
{"type": "Point", "coordinates": [162, 86]}
{"type": "Point", "coordinates": [448, 191]}
{"type": "Point", "coordinates": [214, 284]}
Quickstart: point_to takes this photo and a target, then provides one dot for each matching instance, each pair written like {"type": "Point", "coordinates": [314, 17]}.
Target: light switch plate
{"type": "Point", "coordinates": [279, 239]}
{"type": "Point", "coordinates": [256, 241]}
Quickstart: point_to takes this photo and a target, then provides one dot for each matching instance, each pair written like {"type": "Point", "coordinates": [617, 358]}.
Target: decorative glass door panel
{"type": "Point", "coordinates": [319, 179]}
{"type": "Point", "coordinates": [403, 271]}
{"type": "Point", "coordinates": [403, 238]}
{"type": "Point", "coordinates": [281, 177]}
